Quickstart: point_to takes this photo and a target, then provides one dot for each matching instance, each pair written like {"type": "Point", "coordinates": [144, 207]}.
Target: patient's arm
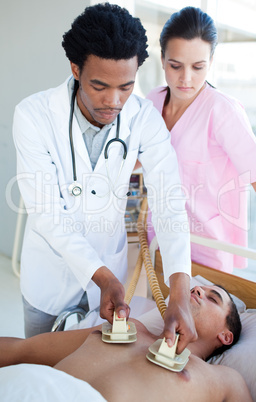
{"type": "Point", "coordinates": [48, 348]}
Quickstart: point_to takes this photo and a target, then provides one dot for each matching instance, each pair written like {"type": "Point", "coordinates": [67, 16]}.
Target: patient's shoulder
{"type": "Point", "coordinates": [219, 382]}
{"type": "Point", "coordinates": [231, 383]}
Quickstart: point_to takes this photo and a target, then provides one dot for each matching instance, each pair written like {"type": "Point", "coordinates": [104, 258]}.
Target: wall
{"type": "Point", "coordinates": [32, 60]}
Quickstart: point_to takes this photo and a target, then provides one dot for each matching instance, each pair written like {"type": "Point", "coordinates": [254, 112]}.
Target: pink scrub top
{"type": "Point", "coordinates": [216, 151]}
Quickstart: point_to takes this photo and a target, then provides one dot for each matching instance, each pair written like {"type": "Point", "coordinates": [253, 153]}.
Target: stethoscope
{"type": "Point", "coordinates": [75, 188]}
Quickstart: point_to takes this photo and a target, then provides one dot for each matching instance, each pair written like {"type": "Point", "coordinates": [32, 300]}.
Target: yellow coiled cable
{"type": "Point", "coordinates": [144, 256]}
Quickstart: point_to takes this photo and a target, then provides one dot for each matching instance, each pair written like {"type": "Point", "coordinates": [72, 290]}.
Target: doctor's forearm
{"type": "Point", "coordinates": [111, 288]}
{"type": "Point", "coordinates": [102, 277]}
{"type": "Point", "coordinates": [178, 317]}
{"type": "Point", "coordinates": [179, 286]}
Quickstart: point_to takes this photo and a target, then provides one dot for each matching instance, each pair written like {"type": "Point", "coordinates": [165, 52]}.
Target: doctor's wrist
{"type": "Point", "coordinates": [179, 286]}
{"type": "Point", "coordinates": [103, 276]}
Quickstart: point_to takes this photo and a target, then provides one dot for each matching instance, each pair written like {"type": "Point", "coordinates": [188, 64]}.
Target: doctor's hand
{"type": "Point", "coordinates": [112, 295]}
{"type": "Point", "coordinates": [178, 317]}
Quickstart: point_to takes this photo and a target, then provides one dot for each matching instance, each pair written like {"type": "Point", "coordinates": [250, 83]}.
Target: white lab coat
{"type": "Point", "coordinates": [68, 238]}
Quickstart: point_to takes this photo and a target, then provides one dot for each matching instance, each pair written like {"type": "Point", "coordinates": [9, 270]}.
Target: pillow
{"type": "Point", "coordinates": [242, 355]}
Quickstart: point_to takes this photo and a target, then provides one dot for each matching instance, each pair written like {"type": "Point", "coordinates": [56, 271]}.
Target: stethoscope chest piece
{"type": "Point", "coordinates": [75, 189]}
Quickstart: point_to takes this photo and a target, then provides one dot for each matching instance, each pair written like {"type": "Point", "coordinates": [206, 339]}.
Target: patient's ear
{"type": "Point", "coordinates": [226, 337]}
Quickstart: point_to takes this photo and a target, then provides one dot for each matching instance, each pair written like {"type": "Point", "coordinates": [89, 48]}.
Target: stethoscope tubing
{"type": "Point", "coordinates": [72, 106]}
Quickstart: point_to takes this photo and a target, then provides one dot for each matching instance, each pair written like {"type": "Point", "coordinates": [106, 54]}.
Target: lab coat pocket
{"type": "Point", "coordinates": [125, 166]}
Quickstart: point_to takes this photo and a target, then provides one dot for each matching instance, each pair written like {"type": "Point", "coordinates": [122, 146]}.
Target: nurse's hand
{"type": "Point", "coordinates": [112, 295]}
{"type": "Point", "coordinates": [178, 317]}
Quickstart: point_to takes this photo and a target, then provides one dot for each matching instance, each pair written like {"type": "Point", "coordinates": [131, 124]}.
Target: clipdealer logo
{"type": "Point", "coordinates": [48, 198]}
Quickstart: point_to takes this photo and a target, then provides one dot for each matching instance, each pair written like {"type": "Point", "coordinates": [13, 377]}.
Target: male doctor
{"type": "Point", "coordinates": [74, 179]}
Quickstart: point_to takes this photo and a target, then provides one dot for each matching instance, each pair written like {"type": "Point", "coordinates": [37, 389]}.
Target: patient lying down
{"type": "Point", "coordinates": [121, 372]}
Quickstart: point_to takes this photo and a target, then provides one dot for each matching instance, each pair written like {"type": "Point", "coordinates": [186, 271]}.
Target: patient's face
{"type": "Point", "coordinates": [209, 306]}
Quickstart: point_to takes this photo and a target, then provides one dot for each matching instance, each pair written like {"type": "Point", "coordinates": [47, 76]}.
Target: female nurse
{"type": "Point", "coordinates": [215, 146]}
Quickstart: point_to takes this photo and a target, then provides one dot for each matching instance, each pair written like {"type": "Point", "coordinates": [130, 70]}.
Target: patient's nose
{"type": "Point", "coordinates": [199, 291]}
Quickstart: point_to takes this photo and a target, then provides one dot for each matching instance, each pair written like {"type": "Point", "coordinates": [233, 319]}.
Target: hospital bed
{"type": "Point", "coordinates": [40, 383]}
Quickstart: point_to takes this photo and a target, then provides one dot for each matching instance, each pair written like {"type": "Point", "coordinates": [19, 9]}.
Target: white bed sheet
{"type": "Point", "coordinates": [37, 383]}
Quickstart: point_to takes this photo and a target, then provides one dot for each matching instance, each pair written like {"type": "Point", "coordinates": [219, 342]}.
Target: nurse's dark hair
{"type": "Point", "coordinates": [189, 23]}
{"type": "Point", "coordinates": [107, 31]}
{"type": "Point", "coordinates": [233, 323]}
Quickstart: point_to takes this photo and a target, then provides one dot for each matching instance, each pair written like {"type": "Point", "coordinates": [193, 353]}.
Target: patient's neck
{"type": "Point", "coordinates": [201, 348]}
